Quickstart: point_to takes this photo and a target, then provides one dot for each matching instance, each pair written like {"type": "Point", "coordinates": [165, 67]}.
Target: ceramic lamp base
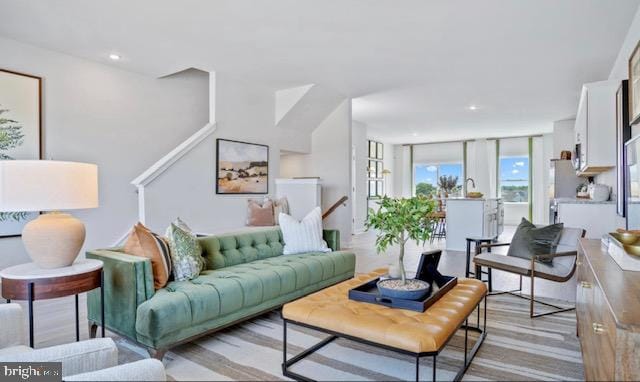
{"type": "Point", "coordinates": [53, 240]}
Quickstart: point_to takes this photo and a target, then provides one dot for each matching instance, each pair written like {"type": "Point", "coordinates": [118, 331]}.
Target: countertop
{"type": "Point", "coordinates": [472, 199]}
{"type": "Point", "coordinates": [581, 201]}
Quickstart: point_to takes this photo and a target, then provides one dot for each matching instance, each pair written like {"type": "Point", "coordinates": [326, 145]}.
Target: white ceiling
{"type": "Point", "coordinates": [414, 66]}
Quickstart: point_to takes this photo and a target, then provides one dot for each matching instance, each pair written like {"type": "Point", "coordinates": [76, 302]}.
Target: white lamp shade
{"type": "Point", "coordinates": [44, 185]}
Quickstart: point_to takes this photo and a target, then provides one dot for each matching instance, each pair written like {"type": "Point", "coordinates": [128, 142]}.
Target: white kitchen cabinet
{"type": "Point", "coordinates": [468, 217]}
{"type": "Point", "coordinates": [596, 218]}
{"type": "Point", "coordinates": [595, 127]}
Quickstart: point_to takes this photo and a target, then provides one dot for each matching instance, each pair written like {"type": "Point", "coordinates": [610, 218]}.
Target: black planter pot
{"type": "Point", "coordinates": [416, 294]}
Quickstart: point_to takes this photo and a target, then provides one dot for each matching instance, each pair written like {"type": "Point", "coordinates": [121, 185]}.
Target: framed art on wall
{"type": "Point", "coordinates": [241, 167]}
{"type": "Point", "coordinates": [634, 86]}
{"type": "Point", "coordinates": [20, 133]}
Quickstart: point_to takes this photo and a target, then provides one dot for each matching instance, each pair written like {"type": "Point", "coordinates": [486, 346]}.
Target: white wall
{"type": "Point", "coordinates": [330, 159]}
{"type": "Point", "coordinates": [119, 120]}
{"type": "Point", "coordinates": [359, 141]}
{"type": "Point", "coordinates": [244, 112]}
{"type": "Point", "coordinates": [620, 69]}
{"type": "Point", "coordinates": [563, 137]}
{"type": "Point", "coordinates": [402, 172]}
{"type": "Point", "coordinates": [292, 165]}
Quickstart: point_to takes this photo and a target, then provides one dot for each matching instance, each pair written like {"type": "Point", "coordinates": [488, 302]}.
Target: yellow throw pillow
{"type": "Point", "coordinates": [144, 243]}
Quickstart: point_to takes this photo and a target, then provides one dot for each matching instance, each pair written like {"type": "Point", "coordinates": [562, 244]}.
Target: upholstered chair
{"type": "Point", "coordinates": [561, 269]}
{"type": "Point", "coordinates": [91, 360]}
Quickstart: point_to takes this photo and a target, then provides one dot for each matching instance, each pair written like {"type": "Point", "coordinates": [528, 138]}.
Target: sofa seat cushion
{"type": "Point", "coordinates": [216, 293]}
{"type": "Point", "coordinates": [557, 271]}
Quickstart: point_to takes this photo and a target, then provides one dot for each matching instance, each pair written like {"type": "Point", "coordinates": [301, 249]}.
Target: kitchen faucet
{"type": "Point", "coordinates": [473, 183]}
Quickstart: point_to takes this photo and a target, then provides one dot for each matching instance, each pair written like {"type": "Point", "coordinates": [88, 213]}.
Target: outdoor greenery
{"type": "Point", "coordinates": [400, 220]}
{"type": "Point", "coordinates": [515, 194]}
{"type": "Point", "coordinates": [10, 137]}
{"type": "Point", "coordinates": [426, 189]}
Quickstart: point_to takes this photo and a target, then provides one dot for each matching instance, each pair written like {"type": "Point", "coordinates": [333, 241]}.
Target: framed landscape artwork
{"type": "Point", "coordinates": [241, 167]}
{"type": "Point", "coordinates": [634, 86]}
{"type": "Point", "coordinates": [20, 133]}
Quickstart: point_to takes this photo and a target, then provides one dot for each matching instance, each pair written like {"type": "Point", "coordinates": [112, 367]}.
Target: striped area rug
{"type": "Point", "coordinates": [516, 348]}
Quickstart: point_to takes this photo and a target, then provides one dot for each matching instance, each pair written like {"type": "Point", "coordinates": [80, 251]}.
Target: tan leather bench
{"type": "Point", "coordinates": [415, 333]}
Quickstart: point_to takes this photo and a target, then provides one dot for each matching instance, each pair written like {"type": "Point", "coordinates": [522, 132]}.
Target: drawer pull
{"type": "Point", "coordinates": [598, 328]}
{"type": "Point", "coordinates": [586, 285]}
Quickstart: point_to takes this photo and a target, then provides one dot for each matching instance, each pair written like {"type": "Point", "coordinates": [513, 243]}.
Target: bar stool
{"type": "Point", "coordinates": [478, 241]}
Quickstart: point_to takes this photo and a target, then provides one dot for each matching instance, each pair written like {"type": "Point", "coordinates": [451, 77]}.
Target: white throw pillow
{"type": "Point", "coordinates": [303, 236]}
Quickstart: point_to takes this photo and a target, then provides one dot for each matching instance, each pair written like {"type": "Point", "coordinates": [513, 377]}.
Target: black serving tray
{"type": "Point", "coordinates": [368, 292]}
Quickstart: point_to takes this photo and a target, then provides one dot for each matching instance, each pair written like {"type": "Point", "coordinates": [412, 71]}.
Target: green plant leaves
{"type": "Point", "coordinates": [401, 219]}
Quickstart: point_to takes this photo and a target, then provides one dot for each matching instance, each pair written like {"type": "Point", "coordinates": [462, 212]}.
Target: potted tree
{"type": "Point", "coordinates": [398, 221]}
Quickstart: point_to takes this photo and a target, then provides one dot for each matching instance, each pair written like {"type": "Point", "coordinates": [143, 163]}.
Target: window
{"type": "Point", "coordinates": [514, 179]}
{"type": "Point", "coordinates": [429, 178]}
{"type": "Point", "coordinates": [374, 170]}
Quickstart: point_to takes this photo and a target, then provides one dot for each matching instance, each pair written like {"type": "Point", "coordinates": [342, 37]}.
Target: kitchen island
{"type": "Point", "coordinates": [468, 217]}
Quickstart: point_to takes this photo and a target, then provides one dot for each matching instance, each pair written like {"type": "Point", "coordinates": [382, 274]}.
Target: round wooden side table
{"type": "Point", "coordinates": [30, 282]}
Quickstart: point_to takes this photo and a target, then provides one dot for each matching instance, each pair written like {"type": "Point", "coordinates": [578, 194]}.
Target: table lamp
{"type": "Point", "coordinates": [54, 239]}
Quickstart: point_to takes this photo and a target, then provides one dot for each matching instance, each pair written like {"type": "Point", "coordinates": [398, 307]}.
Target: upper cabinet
{"type": "Point", "coordinates": [595, 128]}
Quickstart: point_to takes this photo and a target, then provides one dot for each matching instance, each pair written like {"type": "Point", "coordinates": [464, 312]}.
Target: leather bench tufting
{"type": "Point", "coordinates": [409, 332]}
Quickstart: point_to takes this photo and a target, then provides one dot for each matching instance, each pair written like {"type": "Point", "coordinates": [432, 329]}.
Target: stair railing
{"type": "Point", "coordinates": [341, 202]}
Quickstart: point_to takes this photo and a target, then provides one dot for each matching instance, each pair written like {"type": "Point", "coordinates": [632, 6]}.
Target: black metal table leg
{"type": "Point", "coordinates": [468, 259]}
{"type": "Point", "coordinates": [30, 296]}
{"type": "Point", "coordinates": [433, 378]}
{"type": "Point", "coordinates": [484, 328]}
{"type": "Point", "coordinates": [77, 321]}
{"type": "Point", "coordinates": [284, 345]}
{"type": "Point", "coordinates": [417, 368]}
{"type": "Point", "coordinates": [102, 301]}
{"type": "Point", "coordinates": [466, 336]}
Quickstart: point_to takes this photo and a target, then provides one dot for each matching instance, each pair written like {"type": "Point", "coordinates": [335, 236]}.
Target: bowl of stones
{"type": "Point", "coordinates": [411, 289]}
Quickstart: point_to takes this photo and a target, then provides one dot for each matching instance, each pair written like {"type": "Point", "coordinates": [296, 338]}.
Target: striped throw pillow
{"type": "Point", "coordinates": [303, 236]}
{"type": "Point", "coordinates": [144, 243]}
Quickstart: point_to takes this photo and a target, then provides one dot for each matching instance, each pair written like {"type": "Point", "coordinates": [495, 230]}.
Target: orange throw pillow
{"type": "Point", "coordinates": [144, 243]}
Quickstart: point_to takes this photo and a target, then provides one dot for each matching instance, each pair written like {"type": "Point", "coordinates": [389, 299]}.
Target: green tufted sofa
{"type": "Point", "coordinates": [245, 275]}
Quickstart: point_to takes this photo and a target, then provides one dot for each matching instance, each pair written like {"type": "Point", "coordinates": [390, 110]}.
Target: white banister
{"type": "Point", "coordinates": [167, 161]}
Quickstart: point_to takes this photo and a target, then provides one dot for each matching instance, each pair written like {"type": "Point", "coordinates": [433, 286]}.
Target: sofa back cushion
{"type": "Point", "coordinates": [226, 250]}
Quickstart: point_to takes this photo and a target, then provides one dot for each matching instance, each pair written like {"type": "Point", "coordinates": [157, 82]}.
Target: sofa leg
{"type": "Point", "coordinates": [93, 329]}
{"type": "Point", "coordinates": [157, 353]}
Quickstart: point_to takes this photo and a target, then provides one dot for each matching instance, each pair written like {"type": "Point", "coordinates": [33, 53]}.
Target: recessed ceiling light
{"type": "Point", "coordinates": [415, 134]}
{"type": "Point", "coordinates": [472, 107]}
{"type": "Point", "coordinates": [114, 57]}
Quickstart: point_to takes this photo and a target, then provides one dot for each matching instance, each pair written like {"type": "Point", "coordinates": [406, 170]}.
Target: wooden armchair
{"type": "Point", "coordinates": [560, 270]}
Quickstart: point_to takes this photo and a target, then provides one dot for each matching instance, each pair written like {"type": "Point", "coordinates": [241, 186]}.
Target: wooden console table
{"type": "Point", "coordinates": [608, 312]}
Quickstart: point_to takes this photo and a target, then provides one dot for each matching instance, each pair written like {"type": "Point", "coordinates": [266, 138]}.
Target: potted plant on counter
{"type": "Point", "coordinates": [448, 184]}
{"type": "Point", "coordinates": [398, 221]}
